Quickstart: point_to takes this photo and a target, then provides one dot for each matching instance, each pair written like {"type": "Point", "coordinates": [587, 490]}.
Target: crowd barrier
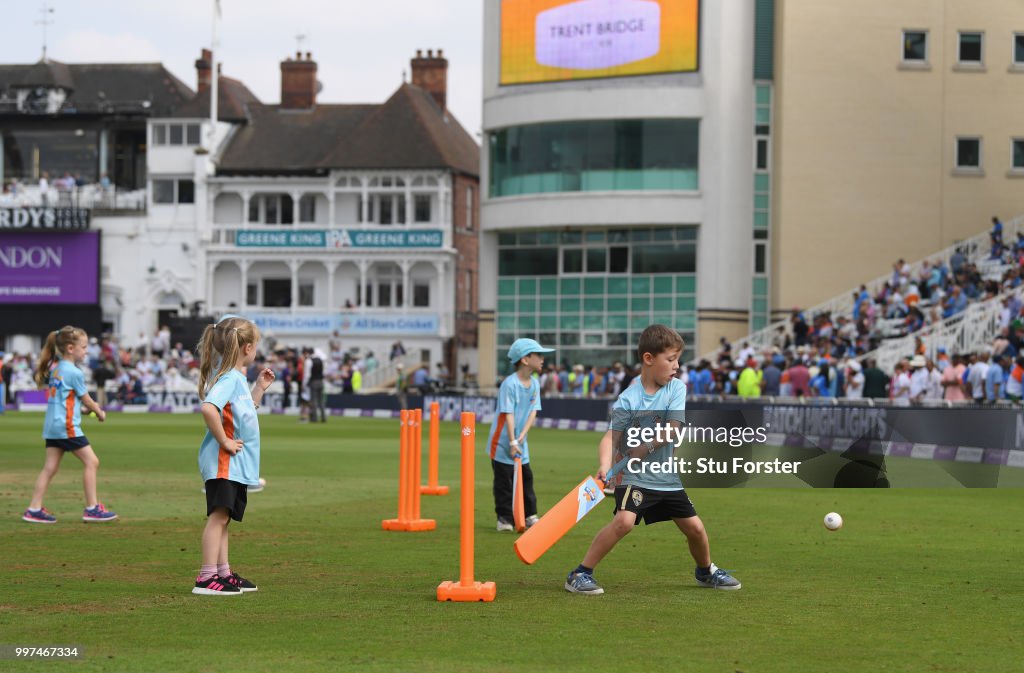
{"type": "Point", "coordinates": [969, 434]}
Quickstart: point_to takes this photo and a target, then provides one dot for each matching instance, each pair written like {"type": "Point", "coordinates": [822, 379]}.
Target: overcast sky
{"type": "Point", "coordinates": [361, 46]}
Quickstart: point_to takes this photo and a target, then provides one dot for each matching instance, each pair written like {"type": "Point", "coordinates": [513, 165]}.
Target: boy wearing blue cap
{"type": "Point", "coordinates": [518, 404]}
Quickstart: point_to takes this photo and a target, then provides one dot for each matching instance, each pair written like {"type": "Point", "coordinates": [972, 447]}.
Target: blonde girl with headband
{"type": "Point", "coordinates": [229, 457]}
{"type": "Point", "coordinates": [66, 394]}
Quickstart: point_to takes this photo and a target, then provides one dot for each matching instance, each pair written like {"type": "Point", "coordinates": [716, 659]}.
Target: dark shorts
{"type": "Point", "coordinates": [73, 444]}
{"type": "Point", "coordinates": [226, 493]}
{"type": "Point", "coordinates": [653, 506]}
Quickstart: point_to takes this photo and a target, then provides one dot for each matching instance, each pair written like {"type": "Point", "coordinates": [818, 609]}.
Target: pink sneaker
{"type": "Point", "coordinates": [97, 514]}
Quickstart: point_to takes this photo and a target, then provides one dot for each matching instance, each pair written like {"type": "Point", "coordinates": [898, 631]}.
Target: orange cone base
{"type": "Point", "coordinates": [409, 525]}
{"type": "Point", "coordinates": [466, 593]}
{"type": "Point", "coordinates": [433, 490]}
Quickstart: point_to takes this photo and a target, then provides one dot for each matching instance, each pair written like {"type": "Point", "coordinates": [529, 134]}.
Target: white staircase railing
{"type": "Point", "coordinates": [383, 376]}
{"type": "Point", "coordinates": [970, 331]}
{"type": "Point", "coordinates": [975, 249]}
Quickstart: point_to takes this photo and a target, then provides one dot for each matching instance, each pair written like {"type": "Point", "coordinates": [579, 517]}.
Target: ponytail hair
{"type": "Point", "coordinates": [220, 347]}
{"type": "Point", "coordinates": [56, 345]}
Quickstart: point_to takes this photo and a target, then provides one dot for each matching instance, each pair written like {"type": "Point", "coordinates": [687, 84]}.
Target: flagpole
{"type": "Point", "coordinates": [214, 45]}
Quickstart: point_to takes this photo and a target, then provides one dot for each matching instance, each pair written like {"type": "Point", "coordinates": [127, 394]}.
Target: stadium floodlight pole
{"type": "Point", "coordinates": [214, 46]}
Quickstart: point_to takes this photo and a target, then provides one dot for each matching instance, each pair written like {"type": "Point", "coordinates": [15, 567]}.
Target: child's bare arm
{"type": "Point", "coordinates": [263, 382]}
{"type": "Point", "coordinates": [513, 441]}
{"type": "Point", "coordinates": [90, 404]}
{"type": "Point", "coordinates": [605, 449]}
{"type": "Point", "coordinates": [529, 424]}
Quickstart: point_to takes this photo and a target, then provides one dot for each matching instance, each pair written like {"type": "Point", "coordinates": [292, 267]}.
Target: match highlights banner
{"type": "Point", "coordinates": [57, 268]}
{"type": "Point", "coordinates": [555, 40]}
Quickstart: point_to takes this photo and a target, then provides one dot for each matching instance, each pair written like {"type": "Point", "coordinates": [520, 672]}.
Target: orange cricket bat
{"type": "Point", "coordinates": [532, 544]}
{"type": "Point", "coordinates": [576, 504]}
{"type": "Point", "coordinates": [518, 506]}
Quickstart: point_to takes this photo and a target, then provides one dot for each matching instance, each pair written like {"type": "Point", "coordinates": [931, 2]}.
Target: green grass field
{"type": "Point", "coordinates": [917, 580]}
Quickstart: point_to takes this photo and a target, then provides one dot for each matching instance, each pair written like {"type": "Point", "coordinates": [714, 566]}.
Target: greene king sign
{"type": "Point", "coordinates": [62, 219]}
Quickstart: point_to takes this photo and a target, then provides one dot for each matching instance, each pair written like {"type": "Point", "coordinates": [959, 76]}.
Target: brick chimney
{"type": "Point", "coordinates": [298, 82]}
{"type": "Point", "coordinates": [430, 73]}
{"type": "Point", "coordinates": [203, 70]}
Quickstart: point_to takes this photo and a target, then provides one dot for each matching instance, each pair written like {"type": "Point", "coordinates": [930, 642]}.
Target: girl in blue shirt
{"type": "Point", "coordinates": [229, 456]}
{"type": "Point", "coordinates": [66, 394]}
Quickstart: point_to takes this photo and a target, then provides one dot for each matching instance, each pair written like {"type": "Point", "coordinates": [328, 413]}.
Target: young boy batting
{"type": "Point", "coordinates": [656, 397]}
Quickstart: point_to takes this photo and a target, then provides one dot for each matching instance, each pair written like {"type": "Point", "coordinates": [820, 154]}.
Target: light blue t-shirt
{"type": "Point", "coordinates": [230, 393]}
{"type": "Point", "coordinates": [515, 399]}
{"type": "Point", "coordinates": [635, 408]}
{"type": "Point", "coordinates": [994, 377]}
{"type": "Point", "coordinates": [63, 403]}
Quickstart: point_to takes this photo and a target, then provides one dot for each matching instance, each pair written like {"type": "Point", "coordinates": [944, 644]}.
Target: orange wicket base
{"type": "Point", "coordinates": [462, 593]}
{"type": "Point", "coordinates": [411, 525]}
{"type": "Point", "coordinates": [433, 490]}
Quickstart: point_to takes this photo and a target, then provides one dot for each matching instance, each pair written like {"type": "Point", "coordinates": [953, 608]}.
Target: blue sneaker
{"type": "Point", "coordinates": [716, 579]}
{"type": "Point", "coordinates": [582, 583]}
{"type": "Point", "coordinates": [38, 516]}
{"type": "Point", "coordinates": [97, 514]}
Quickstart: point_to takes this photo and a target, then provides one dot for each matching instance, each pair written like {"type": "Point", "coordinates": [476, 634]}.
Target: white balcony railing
{"type": "Point", "coordinates": [95, 197]}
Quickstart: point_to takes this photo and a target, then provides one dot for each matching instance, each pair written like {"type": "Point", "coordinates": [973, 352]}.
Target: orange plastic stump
{"type": "Point", "coordinates": [431, 487]}
{"type": "Point", "coordinates": [460, 593]}
{"type": "Point", "coordinates": [466, 589]}
{"type": "Point", "coordinates": [408, 478]}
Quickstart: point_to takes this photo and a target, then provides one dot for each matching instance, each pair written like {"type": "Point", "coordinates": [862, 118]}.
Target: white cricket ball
{"type": "Point", "coordinates": [833, 521]}
{"type": "Point", "coordinates": [263, 482]}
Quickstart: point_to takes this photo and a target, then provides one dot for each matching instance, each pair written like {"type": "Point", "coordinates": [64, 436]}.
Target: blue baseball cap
{"type": "Point", "coordinates": [523, 347]}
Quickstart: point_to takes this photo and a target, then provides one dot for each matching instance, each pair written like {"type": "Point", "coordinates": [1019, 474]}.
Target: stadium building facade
{"type": "Point", "coordinates": [899, 134]}
{"type": "Point", "coordinates": [356, 222]}
{"type": "Point", "coordinates": [619, 175]}
{"type": "Point", "coordinates": [320, 221]}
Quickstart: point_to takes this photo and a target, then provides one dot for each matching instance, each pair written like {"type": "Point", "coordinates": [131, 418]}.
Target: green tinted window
{"type": "Point", "coordinates": [618, 286]}
{"type": "Point", "coordinates": [685, 303]}
{"type": "Point", "coordinates": [527, 261]}
{"type": "Point", "coordinates": [618, 304]}
{"type": "Point", "coordinates": [665, 258]}
{"type": "Point", "coordinates": [595, 155]}
{"type": "Point", "coordinates": [686, 284]}
{"type": "Point", "coordinates": [641, 285]}
{"type": "Point", "coordinates": [569, 286]}
{"type": "Point", "coordinates": [663, 285]}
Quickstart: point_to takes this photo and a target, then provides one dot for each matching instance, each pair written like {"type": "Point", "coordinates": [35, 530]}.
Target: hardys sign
{"type": "Point", "coordinates": [59, 219]}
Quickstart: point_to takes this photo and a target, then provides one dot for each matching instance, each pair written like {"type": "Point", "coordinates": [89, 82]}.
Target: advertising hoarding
{"type": "Point", "coordinates": [49, 268]}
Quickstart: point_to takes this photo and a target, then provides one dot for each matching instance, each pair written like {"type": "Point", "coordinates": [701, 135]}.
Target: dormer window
{"type": "Point", "coordinates": [40, 100]}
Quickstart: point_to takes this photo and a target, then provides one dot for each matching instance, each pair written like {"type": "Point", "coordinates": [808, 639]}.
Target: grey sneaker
{"type": "Point", "coordinates": [504, 526]}
{"type": "Point", "coordinates": [530, 520]}
{"type": "Point", "coordinates": [716, 579]}
{"type": "Point", "coordinates": [582, 583]}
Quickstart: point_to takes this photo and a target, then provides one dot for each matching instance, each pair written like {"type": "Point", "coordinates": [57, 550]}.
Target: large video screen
{"type": "Point", "coordinates": [558, 40]}
{"type": "Point", "coordinates": [49, 268]}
